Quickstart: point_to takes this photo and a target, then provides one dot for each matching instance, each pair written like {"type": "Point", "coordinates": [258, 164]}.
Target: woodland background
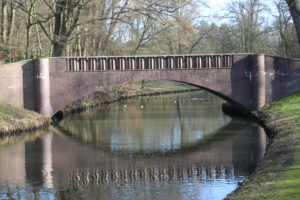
{"type": "Point", "coordinates": [45, 28]}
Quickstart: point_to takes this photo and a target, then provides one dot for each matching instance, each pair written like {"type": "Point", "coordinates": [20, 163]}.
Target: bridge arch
{"type": "Point", "coordinates": [83, 100]}
{"type": "Point", "coordinates": [68, 82]}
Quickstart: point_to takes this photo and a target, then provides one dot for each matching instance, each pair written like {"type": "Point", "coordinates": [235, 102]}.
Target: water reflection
{"type": "Point", "coordinates": [150, 124]}
{"type": "Point", "coordinates": [62, 164]}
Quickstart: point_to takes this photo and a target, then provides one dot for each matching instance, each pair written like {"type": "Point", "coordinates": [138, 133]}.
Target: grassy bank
{"type": "Point", "coordinates": [122, 91]}
{"type": "Point", "coordinates": [14, 120]}
{"type": "Point", "coordinates": [277, 176]}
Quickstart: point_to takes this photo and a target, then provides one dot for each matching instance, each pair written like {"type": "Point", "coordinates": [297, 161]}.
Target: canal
{"type": "Point", "coordinates": [175, 146]}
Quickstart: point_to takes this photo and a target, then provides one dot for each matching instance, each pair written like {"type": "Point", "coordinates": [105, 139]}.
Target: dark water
{"type": "Point", "coordinates": [178, 146]}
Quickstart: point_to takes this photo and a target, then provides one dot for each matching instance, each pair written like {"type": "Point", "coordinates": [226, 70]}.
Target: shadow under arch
{"type": "Point", "coordinates": [101, 97]}
{"type": "Point", "coordinates": [246, 111]}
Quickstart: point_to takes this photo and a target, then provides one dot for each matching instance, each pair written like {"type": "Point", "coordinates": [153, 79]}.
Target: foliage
{"type": "Point", "coordinates": [45, 28]}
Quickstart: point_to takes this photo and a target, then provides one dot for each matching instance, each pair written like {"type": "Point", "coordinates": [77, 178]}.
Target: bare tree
{"type": "Point", "coordinates": [247, 20]}
{"type": "Point", "coordinates": [7, 19]}
{"type": "Point", "coordinates": [283, 25]}
{"type": "Point", "coordinates": [294, 6]}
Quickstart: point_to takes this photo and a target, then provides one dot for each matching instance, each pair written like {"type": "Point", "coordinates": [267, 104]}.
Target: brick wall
{"type": "Point", "coordinates": [20, 83]}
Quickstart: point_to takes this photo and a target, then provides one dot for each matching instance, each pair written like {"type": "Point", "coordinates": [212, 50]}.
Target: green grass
{"type": "Point", "coordinates": [14, 120]}
{"type": "Point", "coordinates": [277, 176]}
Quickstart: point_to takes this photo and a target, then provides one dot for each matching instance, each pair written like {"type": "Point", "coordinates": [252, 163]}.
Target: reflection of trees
{"type": "Point", "coordinates": [20, 138]}
{"type": "Point", "coordinates": [150, 123]}
{"type": "Point", "coordinates": [75, 166]}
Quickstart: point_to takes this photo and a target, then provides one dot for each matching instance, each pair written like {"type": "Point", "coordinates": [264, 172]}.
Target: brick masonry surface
{"type": "Point", "coordinates": [25, 84]}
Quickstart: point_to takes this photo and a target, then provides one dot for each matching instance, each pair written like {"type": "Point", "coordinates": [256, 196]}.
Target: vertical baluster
{"type": "Point", "coordinates": [94, 64]}
{"type": "Point", "coordinates": [127, 63]}
{"type": "Point", "coordinates": [89, 64]}
{"type": "Point", "coordinates": [113, 62]}
{"type": "Point", "coordinates": [80, 64]}
{"type": "Point", "coordinates": [198, 62]}
{"type": "Point", "coordinates": [108, 63]}
{"type": "Point", "coordinates": [191, 62]}
{"type": "Point", "coordinates": [172, 62]}
{"type": "Point", "coordinates": [209, 61]}
{"type": "Point", "coordinates": [123, 63]}
{"type": "Point", "coordinates": [69, 64]}
{"type": "Point", "coordinates": [162, 62]}
{"type": "Point", "coordinates": [152, 63]}
{"type": "Point", "coordinates": [85, 64]}
{"type": "Point", "coordinates": [180, 64]}
{"type": "Point", "coordinates": [143, 63]}
{"type": "Point", "coordinates": [105, 64]}
{"type": "Point", "coordinates": [159, 63]}
{"type": "Point", "coordinates": [103, 68]}
{"type": "Point", "coordinates": [132, 63]}
{"type": "Point", "coordinates": [159, 59]}
{"type": "Point", "coordinates": [98, 64]}
{"type": "Point", "coordinates": [226, 61]}
{"type": "Point", "coordinates": [130, 66]}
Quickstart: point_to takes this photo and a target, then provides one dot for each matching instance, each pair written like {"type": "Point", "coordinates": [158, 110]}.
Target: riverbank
{"type": "Point", "coordinates": [15, 120]}
{"type": "Point", "coordinates": [123, 91]}
{"type": "Point", "coordinates": [277, 176]}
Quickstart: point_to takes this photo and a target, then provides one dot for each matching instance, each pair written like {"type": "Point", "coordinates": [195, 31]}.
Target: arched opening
{"type": "Point", "coordinates": [141, 88]}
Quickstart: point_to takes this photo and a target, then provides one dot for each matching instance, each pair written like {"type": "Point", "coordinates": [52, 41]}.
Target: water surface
{"type": "Point", "coordinates": [178, 146]}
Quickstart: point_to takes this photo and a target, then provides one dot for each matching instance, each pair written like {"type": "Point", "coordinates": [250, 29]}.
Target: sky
{"type": "Point", "coordinates": [216, 7]}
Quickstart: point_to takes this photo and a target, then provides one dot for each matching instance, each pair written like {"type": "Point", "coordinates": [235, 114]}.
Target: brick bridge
{"type": "Point", "coordinates": [47, 85]}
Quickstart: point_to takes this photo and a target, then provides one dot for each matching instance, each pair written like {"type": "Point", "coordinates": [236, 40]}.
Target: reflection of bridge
{"type": "Point", "coordinates": [149, 175]}
{"type": "Point", "coordinates": [47, 85]}
{"type": "Point", "coordinates": [53, 161]}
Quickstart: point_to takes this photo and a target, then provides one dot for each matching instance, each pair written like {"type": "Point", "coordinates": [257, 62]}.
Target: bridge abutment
{"type": "Point", "coordinates": [258, 81]}
{"type": "Point", "coordinates": [42, 78]}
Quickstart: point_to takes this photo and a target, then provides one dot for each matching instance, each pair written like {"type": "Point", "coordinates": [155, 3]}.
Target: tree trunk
{"type": "Point", "coordinates": [58, 49]}
{"type": "Point", "coordinates": [12, 21]}
{"type": "Point", "coordinates": [4, 20]}
{"type": "Point", "coordinates": [294, 6]}
{"type": "Point", "coordinates": [28, 33]}
{"type": "Point", "coordinates": [59, 29]}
